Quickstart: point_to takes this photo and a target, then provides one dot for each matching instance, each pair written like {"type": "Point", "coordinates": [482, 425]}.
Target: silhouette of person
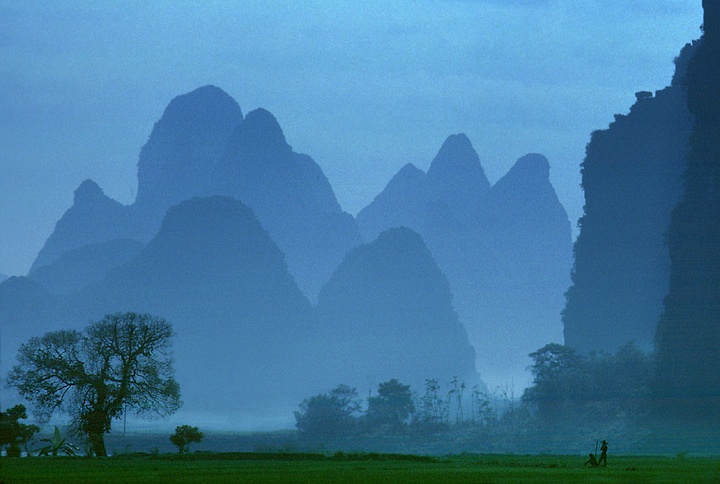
{"type": "Point", "coordinates": [603, 453]}
{"type": "Point", "coordinates": [592, 461]}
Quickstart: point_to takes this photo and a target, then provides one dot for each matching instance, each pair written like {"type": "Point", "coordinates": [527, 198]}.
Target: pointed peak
{"type": "Point", "coordinates": [457, 158]}
{"type": "Point", "coordinates": [203, 99]}
{"type": "Point", "coordinates": [407, 174]}
{"type": "Point", "coordinates": [532, 165]}
{"type": "Point", "coordinates": [261, 130]}
{"type": "Point", "coordinates": [87, 192]}
{"type": "Point", "coordinates": [410, 170]}
{"type": "Point", "coordinates": [455, 150]}
{"type": "Point", "coordinates": [457, 142]}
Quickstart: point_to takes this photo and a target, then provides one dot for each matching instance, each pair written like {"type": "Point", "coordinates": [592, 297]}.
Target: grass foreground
{"type": "Point", "coordinates": [298, 467]}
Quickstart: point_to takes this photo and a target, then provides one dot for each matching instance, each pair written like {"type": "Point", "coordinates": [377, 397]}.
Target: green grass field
{"type": "Point", "coordinates": [256, 467]}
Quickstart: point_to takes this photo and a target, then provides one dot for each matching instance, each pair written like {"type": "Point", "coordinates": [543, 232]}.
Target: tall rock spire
{"type": "Point", "coordinates": [688, 339]}
{"type": "Point", "coordinates": [711, 17]}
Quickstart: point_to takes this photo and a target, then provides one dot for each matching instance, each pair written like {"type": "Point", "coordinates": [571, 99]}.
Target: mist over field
{"type": "Point", "coordinates": [457, 306]}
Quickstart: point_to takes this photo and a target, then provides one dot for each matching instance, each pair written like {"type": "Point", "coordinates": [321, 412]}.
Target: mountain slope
{"type": "Point", "coordinates": [387, 313]}
{"type": "Point", "coordinates": [506, 250]}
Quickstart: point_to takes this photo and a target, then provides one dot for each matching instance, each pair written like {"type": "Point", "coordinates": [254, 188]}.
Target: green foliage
{"type": "Point", "coordinates": [392, 406]}
{"type": "Point", "coordinates": [185, 435]}
{"type": "Point", "coordinates": [12, 432]}
{"type": "Point", "coordinates": [560, 382]}
{"type": "Point", "coordinates": [57, 444]}
{"type": "Point", "coordinates": [433, 410]}
{"type": "Point", "coordinates": [328, 415]}
{"type": "Point", "coordinates": [601, 391]}
{"type": "Point", "coordinates": [120, 362]}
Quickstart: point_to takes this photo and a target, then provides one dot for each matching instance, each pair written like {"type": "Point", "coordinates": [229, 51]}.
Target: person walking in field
{"type": "Point", "coordinates": [603, 453]}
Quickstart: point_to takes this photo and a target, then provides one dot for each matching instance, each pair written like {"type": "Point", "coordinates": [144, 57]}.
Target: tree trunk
{"type": "Point", "coordinates": [97, 442]}
{"type": "Point", "coordinates": [95, 424]}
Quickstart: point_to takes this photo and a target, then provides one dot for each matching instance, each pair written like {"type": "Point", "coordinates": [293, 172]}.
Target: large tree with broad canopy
{"type": "Point", "coordinates": [118, 364]}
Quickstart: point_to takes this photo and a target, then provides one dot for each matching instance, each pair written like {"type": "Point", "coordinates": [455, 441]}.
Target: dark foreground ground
{"type": "Point", "coordinates": [348, 468]}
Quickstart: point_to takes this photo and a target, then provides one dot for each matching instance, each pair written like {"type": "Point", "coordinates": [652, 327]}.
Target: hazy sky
{"type": "Point", "coordinates": [362, 87]}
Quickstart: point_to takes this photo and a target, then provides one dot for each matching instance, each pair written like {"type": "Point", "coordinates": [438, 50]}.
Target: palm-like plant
{"type": "Point", "coordinates": [57, 444]}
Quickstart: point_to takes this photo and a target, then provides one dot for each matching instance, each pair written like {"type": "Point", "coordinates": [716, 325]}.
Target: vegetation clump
{"type": "Point", "coordinates": [185, 435]}
{"type": "Point", "coordinates": [13, 434]}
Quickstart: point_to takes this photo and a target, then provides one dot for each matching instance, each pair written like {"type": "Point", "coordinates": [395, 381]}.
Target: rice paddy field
{"type": "Point", "coordinates": [349, 468]}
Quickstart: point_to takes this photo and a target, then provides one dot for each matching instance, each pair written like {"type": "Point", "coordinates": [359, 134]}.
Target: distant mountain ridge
{"type": "Point", "coordinates": [506, 249]}
{"type": "Point", "coordinates": [93, 218]}
{"type": "Point", "coordinates": [233, 237]}
{"type": "Point", "coordinates": [247, 339]}
{"type": "Point", "coordinates": [389, 298]}
{"type": "Point", "coordinates": [203, 146]}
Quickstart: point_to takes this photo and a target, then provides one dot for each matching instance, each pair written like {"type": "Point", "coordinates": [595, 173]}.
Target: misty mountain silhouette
{"type": "Point", "coordinates": [93, 218]}
{"type": "Point", "coordinates": [387, 313]}
{"type": "Point", "coordinates": [81, 267]}
{"type": "Point", "coordinates": [242, 323]}
{"type": "Point", "coordinates": [247, 338]}
{"type": "Point", "coordinates": [454, 184]}
{"type": "Point", "coordinates": [523, 275]}
{"type": "Point", "coordinates": [233, 234]}
{"type": "Point", "coordinates": [27, 310]}
{"type": "Point", "coordinates": [202, 146]}
{"type": "Point", "coordinates": [506, 250]}
{"type": "Point", "coordinates": [456, 177]}
{"type": "Point", "coordinates": [181, 157]}
{"type": "Point", "coordinates": [400, 204]}
{"type": "Point", "coordinates": [632, 178]}
{"type": "Point", "coordinates": [291, 197]}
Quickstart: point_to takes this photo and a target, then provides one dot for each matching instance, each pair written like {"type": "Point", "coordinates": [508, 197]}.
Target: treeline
{"type": "Point", "coordinates": [574, 400]}
{"type": "Point", "coordinates": [395, 409]}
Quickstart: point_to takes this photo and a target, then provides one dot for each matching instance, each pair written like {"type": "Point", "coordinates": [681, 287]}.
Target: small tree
{"type": "Point", "coordinates": [433, 409]}
{"type": "Point", "coordinates": [185, 435]}
{"type": "Point", "coordinates": [328, 414]}
{"type": "Point", "coordinates": [122, 362]}
{"type": "Point", "coordinates": [12, 432]}
{"type": "Point", "coordinates": [392, 406]}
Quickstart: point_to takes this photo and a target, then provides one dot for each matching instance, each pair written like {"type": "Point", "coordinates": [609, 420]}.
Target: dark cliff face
{"type": "Point", "coordinates": [632, 178]}
{"type": "Point", "coordinates": [387, 313]}
{"type": "Point", "coordinates": [688, 339]}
